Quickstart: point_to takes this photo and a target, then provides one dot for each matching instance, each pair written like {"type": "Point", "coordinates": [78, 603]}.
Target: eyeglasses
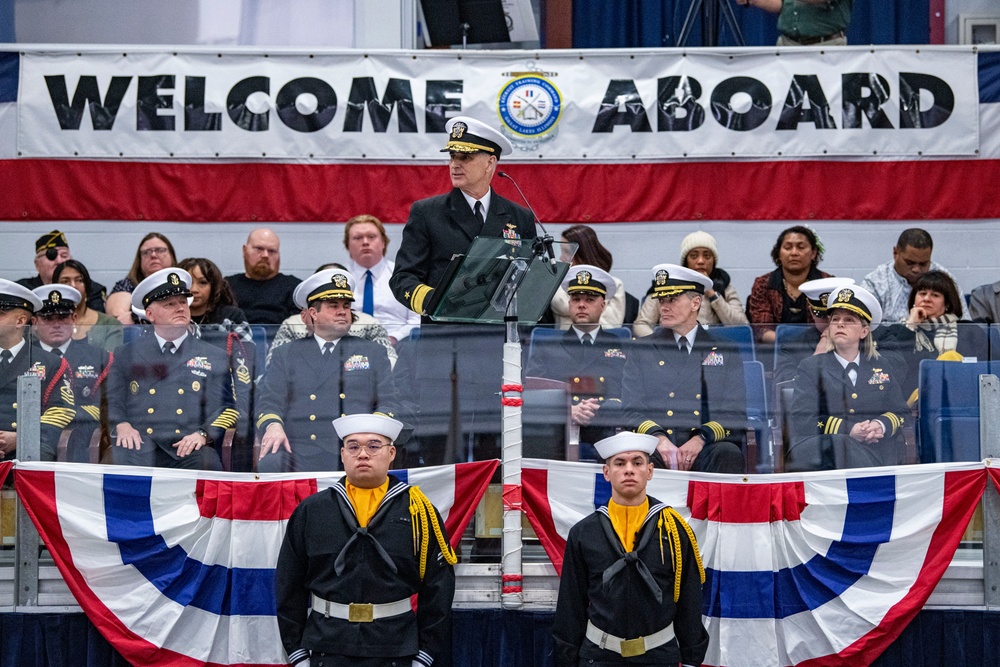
{"type": "Point", "coordinates": [373, 447]}
{"type": "Point", "coordinates": [149, 252]}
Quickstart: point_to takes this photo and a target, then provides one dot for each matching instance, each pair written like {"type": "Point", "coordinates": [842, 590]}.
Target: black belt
{"type": "Point", "coordinates": [806, 41]}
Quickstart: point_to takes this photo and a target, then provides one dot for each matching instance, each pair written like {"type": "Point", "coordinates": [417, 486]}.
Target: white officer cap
{"type": "Point", "coordinates": [859, 301]}
{"type": "Point", "coordinates": [57, 298]}
{"type": "Point", "coordinates": [625, 441]}
{"type": "Point", "coordinates": [323, 286]}
{"type": "Point", "coordinates": [13, 296]}
{"type": "Point", "coordinates": [817, 291]}
{"type": "Point", "coordinates": [468, 135]}
{"type": "Point", "coordinates": [375, 423]}
{"type": "Point", "coordinates": [163, 284]}
{"type": "Point", "coordinates": [589, 279]}
{"type": "Point", "coordinates": [673, 279]}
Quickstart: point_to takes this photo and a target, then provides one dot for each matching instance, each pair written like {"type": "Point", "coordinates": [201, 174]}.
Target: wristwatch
{"type": "Point", "coordinates": [203, 433]}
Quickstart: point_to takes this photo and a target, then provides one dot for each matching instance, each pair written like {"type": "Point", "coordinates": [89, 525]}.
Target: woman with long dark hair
{"type": "Point", "coordinates": [591, 251]}
{"type": "Point", "coordinates": [213, 306]}
{"type": "Point", "coordinates": [155, 252]}
{"type": "Point", "coordinates": [99, 329]}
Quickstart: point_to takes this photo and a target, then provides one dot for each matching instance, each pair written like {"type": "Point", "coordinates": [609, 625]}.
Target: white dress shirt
{"type": "Point", "coordinates": [397, 319]}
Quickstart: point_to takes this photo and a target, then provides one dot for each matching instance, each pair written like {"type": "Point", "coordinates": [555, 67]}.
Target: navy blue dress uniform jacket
{"type": "Point", "coordinates": [442, 226]}
{"type": "Point", "coordinates": [317, 533]}
{"type": "Point", "coordinates": [677, 394]}
{"type": "Point", "coordinates": [825, 406]}
{"type": "Point", "coordinates": [58, 401]}
{"type": "Point", "coordinates": [167, 396]}
{"type": "Point", "coordinates": [305, 391]}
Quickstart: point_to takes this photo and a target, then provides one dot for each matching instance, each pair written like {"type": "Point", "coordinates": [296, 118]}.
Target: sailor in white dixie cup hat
{"type": "Point", "coordinates": [611, 605]}
{"type": "Point", "coordinates": [356, 553]}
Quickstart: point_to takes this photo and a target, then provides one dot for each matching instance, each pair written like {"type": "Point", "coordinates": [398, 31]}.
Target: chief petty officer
{"type": "Point", "coordinates": [170, 395]}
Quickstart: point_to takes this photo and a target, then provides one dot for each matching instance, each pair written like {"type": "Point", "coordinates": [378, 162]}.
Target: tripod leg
{"type": "Point", "coordinates": [693, 9]}
{"type": "Point", "coordinates": [727, 12]}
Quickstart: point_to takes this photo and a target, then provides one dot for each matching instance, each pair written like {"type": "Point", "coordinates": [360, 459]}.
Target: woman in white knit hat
{"type": "Point", "coordinates": [721, 304]}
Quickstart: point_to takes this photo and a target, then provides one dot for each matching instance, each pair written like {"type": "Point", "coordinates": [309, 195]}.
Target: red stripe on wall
{"type": "Point", "coordinates": [571, 193]}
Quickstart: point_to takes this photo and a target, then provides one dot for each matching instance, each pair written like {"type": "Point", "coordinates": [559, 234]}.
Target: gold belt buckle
{"type": "Point", "coordinates": [364, 613]}
{"type": "Point", "coordinates": [633, 647]}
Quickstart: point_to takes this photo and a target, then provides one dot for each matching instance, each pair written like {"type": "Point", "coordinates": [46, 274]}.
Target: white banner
{"type": "Point", "coordinates": [560, 105]}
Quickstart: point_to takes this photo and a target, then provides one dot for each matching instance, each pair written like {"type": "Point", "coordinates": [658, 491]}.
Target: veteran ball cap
{"type": "Point", "coordinates": [163, 284]}
{"type": "Point", "coordinates": [857, 300]}
{"type": "Point", "coordinates": [468, 135]}
{"type": "Point", "coordinates": [588, 279]}
{"type": "Point", "coordinates": [57, 299]}
{"type": "Point", "coordinates": [673, 279]}
{"type": "Point", "coordinates": [362, 423]}
{"type": "Point", "coordinates": [54, 239]}
{"type": "Point", "coordinates": [817, 291]}
{"type": "Point", "coordinates": [14, 296]}
{"type": "Point", "coordinates": [625, 441]}
{"type": "Point", "coordinates": [324, 286]}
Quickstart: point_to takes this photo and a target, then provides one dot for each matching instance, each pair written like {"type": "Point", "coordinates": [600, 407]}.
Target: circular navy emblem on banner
{"type": "Point", "coordinates": [529, 106]}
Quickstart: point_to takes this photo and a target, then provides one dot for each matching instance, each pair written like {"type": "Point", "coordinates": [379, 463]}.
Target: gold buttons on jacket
{"type": "Point", "coordinates": [661, 362]}
{"type": "Point", "coordinates": [180, 391]}
{"type": "Point", "coordinates": [312, 397]}
{"type": "Point", "coordinates": [854, 395]}
{"type": "Point", "coordinates": [312, 437]}
{"type": "Point", "coordinates": [179, 411]}
{"type": "Point", "coordinates": [851, 411]}
{"type": "Point", "coordinates": [312, 418]}
{"type": "Point", "coordinates": [152, 391]}
{"type": "Point", "coordinates": [698, 396]}
{"type": "Point", "coordinates": [670, 413]}
{"type": "Point", "coordinates": [150, 410]}
{"type": "Point", "coordinates": [343, 395]}
{"type": "Point", "coordinates": [670, 431]}
{"type": "Point", "coordinates": [149, 431]}
{"type": "Point", "coordinates": [576, 379]}
{"type": "Point", "coordinates": [696, 413]}
{"type": "Point", "coordinates": [671, 394]}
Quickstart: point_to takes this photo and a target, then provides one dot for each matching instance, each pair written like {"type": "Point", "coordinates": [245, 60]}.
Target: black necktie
{"type": "Point", "coordinates": [56, 351]}
{"type": "Point", "coordinates": [328, 349]}
{"type": "Point", "coordinates": [587, 340]}
{"type": "Point", "coordinates": [682, 345]}
{"type": "Point", "coordinates": [168, 347]}
{"type": "Point", "coordinates": [852, 367]}
{"type": "Point", "coordinates": [478, 210]}
{"type": "Point", "coordinates": [6, 356]}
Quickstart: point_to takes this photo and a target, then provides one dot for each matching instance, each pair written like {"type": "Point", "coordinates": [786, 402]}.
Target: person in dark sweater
{"type": "Point", "coordinates": [264, 294]}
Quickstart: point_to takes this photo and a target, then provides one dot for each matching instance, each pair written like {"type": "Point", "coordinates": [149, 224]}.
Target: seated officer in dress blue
{"type": "Point", "coordinates": [88, 365]}
{"type": "Point", "coordinates": [314, 380]}
{"type": "Point", "coordinates": [170, 395]}
{"type": "Point", "coordinates": [684, 384]}
{"type": "Point", "coordinates": [807, 340]}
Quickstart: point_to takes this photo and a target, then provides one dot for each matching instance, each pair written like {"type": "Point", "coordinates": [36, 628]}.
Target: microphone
{"type": "Point", "coordinates": [546, 240]}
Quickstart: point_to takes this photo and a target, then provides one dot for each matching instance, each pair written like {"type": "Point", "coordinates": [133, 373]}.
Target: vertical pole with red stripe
{"type": "Point", "coordinates": [512, 594]}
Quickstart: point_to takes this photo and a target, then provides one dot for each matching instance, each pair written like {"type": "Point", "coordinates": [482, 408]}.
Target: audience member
{"type": "Point", "coordinates": [589, 359]}
{"type": "Point", "coordinates": [53, 326]}
{"type": "Point", "coordinates": [170, 395]}
{"type": "Point", "coordinates": [366, 243]}
{"type": "Point", "coordinates": [891, 282]}
{"type": "Point", "coordinates": [808, 22]}
{"type": "Point", "coordinates": [96, 327]}
{"type": "Point", "coordinates": [155, 252]}
{"type": "Point", "coordinates": [847, 407]}
{"type": "Point", "coordinates": [984, 304]}
{"type": "Point", "coordinates": [213, 306]}
{"type": "Point", "coordinates": [721, 305]}
{"type": "Point", "coordinates": [51, 250]}
{"type": "Point", "coordinates": [805, 341]}
{"type": "Point", "coordinates": [684, 384]}
{"type": "Point", "coordinates": [775, 297]}
{"type": "Point", "coordinates": [932, 329]}
{"type": "Point", "coordinates": [591, 253]}
{"type": "Point", "coordinates": [17, 358]}
{"type": "Point", "coordinates": [312, 381]}
{"type": "Point", "coordinates": [262, 292]}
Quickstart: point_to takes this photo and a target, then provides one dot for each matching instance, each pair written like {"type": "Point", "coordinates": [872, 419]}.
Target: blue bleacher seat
{"type": "Point", "coordinates": [260, 341]}
{"type": "Point", "coordinates": [742, 335]}
{"type": "Point", "coordinates": [948, 426]}
{"type": "Point", "coordinates": [757, 414]}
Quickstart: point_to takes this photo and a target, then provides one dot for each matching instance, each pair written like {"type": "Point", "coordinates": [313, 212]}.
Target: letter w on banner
{"type": "Point", "coordinates": [812, 569]}
{"type": "Point", "coordinates": [177, 568]}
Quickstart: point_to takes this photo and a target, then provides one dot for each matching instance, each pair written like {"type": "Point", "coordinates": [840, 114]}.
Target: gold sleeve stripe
{"type": "Point", "coordinates": [268, 417]}
{"type": "Point", "coordinates": [59, 419]}
{"type": "Point", "coordinates": [833, 425]}
{"type": "Point", "coordinates": [718, 433]}
{"type": "Point", "coordinates": [895, 421]}
{"type": "Point", "coordinates": [93, 411]}
{"type": "Point", "coordinates": [227, 419]}
{"type": "Point", "coordinates": [420, 293]}
{"type": "Point", "coordinates": [647, 426]}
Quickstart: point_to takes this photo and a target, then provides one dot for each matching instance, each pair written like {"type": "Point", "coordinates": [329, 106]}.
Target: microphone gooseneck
{"type": "Point", "coordinates": [542, 245]}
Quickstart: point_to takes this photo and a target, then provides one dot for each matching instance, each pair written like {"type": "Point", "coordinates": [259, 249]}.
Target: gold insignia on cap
{"type": "Point", "coordinates": [583, 277]}
{"type": "Point", "coordinates": [661, 277]}
{"type": "Point", "coordinates": [54, 296]}
{"type": "Point", "coordinates": [174, 279]}
{"type": "Point", "coordinates": [340, 280]}
{"type": "Point", "coordinates": [823, 297]}
{"type": "Point", "coordinates": [845, 296]}
{"type": "Point", "coordinates": [458, 129]}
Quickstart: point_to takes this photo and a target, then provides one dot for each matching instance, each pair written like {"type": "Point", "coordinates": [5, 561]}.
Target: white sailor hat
{"type": "Point", "coordinates": [673, 279]}
{"type": "Point", "coordinates": [163, 284]}
{"type": "Point", "coordinates": [13, 296]}
{"type": "Point", "coordinates": [817, 291]}
{"type": "Point", "coordinates": [364, 423]}
{"type": "Point", "coordinates": [625, 441]}
{"type": "Point", "coordinates": [57, 299]}
{"type": "Point", "coordinates": [468, 135]}
{"type": "Point", "coordinates": [589, 279]}
{"type": "Point", "coordinates": [323, 286]}
{"type": "Point", "coordinates": [857, 300]}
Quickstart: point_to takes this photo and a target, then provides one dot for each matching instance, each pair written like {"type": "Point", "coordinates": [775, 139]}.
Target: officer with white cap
{"type": "Point", "coordinates": [170, 394]}
{"type": "Point", "coordinates": [88, 365]}
{"type": "Point", "coordinates": [589, 359]}
{"type": "Point", "coordinates": [443, 226]}
{"type": "Point", "coordinates": [848, 408]}
{"type": "Point", "coordinates": [356, 553]}
{"type": "Point", "coordinates": [17, 358]}
{"type": "Point", "coordinates": [314, 380]}
{"type": "Point", "coordinates": [684, 383]}
{"type": "Point", "coordinates": [611, 606]}
{"type": "Point", "coordinates": [798, 341]}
